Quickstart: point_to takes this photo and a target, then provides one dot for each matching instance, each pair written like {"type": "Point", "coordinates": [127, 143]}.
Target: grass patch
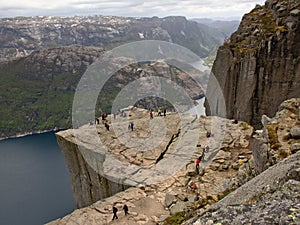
{"type": "Point", "coordinates": [273, 137]}
{"type": "Point", "coordinates": [245, 126]}
{"type": "Point", "coordinates": [176, 219]}
{"type": "Point", "coordinates": [283, 154]}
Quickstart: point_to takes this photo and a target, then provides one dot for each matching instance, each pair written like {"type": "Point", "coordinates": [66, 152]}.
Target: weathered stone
{"type": "Point", "coordinates": [294, 174]}
{"type": "Point", "coordinates": [235, 165]}
{"type": "Point", "coordinates": [253, 203]}
{"type": "Point", "coordinates": [295, 132]}
{"type": "Point", "coordinates": [222, 155]}
{"type": "Point", "coordinates": [295, 12]}
{"type": "Point", "coordinates": [278, 134]}
{"type": "Point", "coordinates": [295, 147]}
{"type": "Point", "coordinates": [178, 207]}
{"type": "Point", "coordinates": [214, 166]}
{"type": "Point", "coordinates": [170, 199]}
{"type": "Point", "coordinates": [224, 167]}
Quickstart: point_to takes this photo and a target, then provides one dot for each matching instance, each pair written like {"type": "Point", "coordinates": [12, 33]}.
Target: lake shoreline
{"type": "Point", "coordinates": [31, 133]}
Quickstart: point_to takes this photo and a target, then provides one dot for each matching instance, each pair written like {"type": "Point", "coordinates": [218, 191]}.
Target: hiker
{"type": "Point", "coordinates": [115, 210]}
{"type": "Point", "coordinates": [159, 112]}
{"type": "Point", "coordinates": [208, 134]}
{"type": "Point", "coordinates": [125, 208]}
{"type": "Point", "coordinates": [151, 115]}
{"type": "Point", "coordinates": [130, 126]}
{"type": "Point", "coordinates": [165, 111]}
{"type": "Point", "coordinates": [103, 116]}
{"type": "Point", "coordinates": [202, 155]}
{"type": "Point", "coordinates": [197, 163]}
{"type": "Point", "coordinates": [199, 159]}
{"type": "Point", "coordinates": [193, 186]}
{"type": "Point", "coordinates": [97, 121]}
{"type": "Point", "coordinates": [106, 126]}
{"type": "Point", "coordinates": [206, 149]}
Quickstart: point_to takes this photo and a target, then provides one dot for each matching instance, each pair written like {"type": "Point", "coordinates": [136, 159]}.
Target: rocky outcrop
{"type": "Point", "coordinates": [270, 198]}
{"type": "Point", "coordinates": [259, 66]}
{"type": "Point", "coordinates": [22, 35]}
{"type": "Point", "coordinates": [159, 166]}
{"type": "Point", "coordinates": [279, 137]}
{"type": "Point", "coordinates": [225, 189]}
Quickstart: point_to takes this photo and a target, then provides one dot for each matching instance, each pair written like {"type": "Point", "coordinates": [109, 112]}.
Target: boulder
{"type": "Point", "coordinates": [170, 199]}
{"type": "Point", "coordinates": [295, 147]}
{"type": "Point", "coordinates": [295, 132]}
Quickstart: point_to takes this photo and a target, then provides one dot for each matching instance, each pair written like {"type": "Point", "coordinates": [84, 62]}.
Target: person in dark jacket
{"type": "Point", "coordinates": [106, 126]}
{"type": "Point", "coordinates": [125, 208]}
{"type": "Point", "coordinates": [115, 210]}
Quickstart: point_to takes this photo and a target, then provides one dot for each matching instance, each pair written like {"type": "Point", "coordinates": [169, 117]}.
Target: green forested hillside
{"type": "Point", "coordinates": [36, 92]}
{"type": "Point", "coordinates": [33, 104]}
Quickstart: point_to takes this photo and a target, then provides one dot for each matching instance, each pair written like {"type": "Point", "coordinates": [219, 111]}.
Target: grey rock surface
{"type": "Point", "coordinates": [273, 197]}
{"type": "Point", "coordinates": [258, 67]}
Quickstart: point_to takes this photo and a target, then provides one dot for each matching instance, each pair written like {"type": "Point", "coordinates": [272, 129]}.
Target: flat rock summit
{"type": "Point", "coordinates": [152, 168]}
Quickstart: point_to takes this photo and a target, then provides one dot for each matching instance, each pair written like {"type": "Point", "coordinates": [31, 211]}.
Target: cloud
{"type": "Point", "coordinates": [135, 8]}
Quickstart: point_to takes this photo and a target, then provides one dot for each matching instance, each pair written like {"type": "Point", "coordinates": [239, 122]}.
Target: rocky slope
{"type": "Point", "coordinates": [259, 66]}
{"type": "Point", "coordinates": [37, 91]}
{"type": "Point", "coordinates": [271, 197]}
{"type": "Point", "coordinates": [20, 36]}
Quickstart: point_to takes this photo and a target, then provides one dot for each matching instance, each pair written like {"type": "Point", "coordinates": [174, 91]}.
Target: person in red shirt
{"type": "Point", "coordinates": [197, 163]}
{"type": "Point", "coordinates": [151, 115]}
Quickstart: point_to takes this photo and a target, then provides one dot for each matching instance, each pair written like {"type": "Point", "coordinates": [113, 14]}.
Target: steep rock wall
{"type": "Point", "coordinates": [259, 66]}
{"type": "Point", "coordinates": [100, 168]}
{"type": "Point", "coordinates": [88, 186]}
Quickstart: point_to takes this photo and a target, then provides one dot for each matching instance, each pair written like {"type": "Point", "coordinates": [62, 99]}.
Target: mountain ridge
{"type": "Point", "coordinates": [22, 35]}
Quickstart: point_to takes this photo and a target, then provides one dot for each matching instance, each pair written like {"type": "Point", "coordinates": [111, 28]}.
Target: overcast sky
{"type": "Point", "coordinates": [135, 8]}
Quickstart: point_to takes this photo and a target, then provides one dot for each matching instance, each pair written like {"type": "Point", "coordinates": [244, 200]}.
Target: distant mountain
{"type": "Point", "coordinates": [224, 27]}
{"type": "Point", "coordinates": [43, 58]}
{"type": "Point", "coordinates": [219, 29]}
{"type": "Point", "coordinates": [22, 35]}
{"type": "Point", "coordinates": [36, 92]}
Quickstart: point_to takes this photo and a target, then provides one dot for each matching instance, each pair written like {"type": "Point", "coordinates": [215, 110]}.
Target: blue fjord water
{"type": "Point", "coordinates": [34, 181]}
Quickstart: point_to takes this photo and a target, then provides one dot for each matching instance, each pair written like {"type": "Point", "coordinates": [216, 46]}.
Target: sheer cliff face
{"type": "Point", "coordinates": [259, 66]}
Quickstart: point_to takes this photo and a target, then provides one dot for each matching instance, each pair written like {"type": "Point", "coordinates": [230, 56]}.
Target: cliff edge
{"type": "Point", "coordinates": [259, 66]}
{"type": "Point", "coordinates": [246, 171]}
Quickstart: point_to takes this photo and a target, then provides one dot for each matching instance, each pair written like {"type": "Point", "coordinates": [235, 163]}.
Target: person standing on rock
{"type": "Point", "coordinates": [125, 208]}
{"type": "Point", "coordinates": [159, 112]}
{"type": "Point", "coordinates": [106, 126]}
{"type": "Point", "coordinates": [197, 163]}
{"type": "Point", "coordinates": [165, 111]}
{"type": "Point", "coordinates": [151, 115]}
{"type": "Point", "coordinates": [115, 210]}
{"type": "Point", "coordinates": [131, 125]}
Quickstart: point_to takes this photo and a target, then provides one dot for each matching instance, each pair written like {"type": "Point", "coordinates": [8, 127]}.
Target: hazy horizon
{"type": "Point", "coordinates": [213, 9]}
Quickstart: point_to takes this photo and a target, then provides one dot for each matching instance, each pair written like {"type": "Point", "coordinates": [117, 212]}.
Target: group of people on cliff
{"type": "Point", "coordinates": [160, 112]}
